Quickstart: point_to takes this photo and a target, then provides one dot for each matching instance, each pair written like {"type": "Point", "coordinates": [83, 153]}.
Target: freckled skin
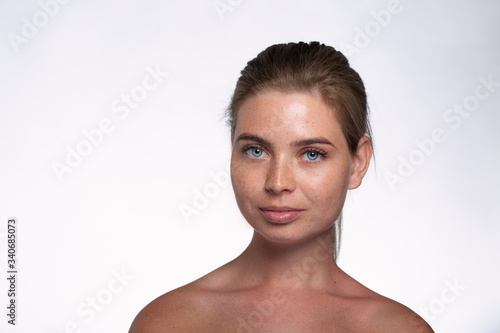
{"type": "Point", "coordinates": [286, 280]}
{"type": "Point", "coordinates": [284, 177]}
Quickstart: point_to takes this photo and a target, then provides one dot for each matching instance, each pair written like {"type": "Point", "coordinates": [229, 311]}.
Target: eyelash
{"type": "Point", "coordinates": [245, 149]}
{"type": "Point", "coordinates": [322, 153]}
{"type": "Point", "coordinates": [315, 150]}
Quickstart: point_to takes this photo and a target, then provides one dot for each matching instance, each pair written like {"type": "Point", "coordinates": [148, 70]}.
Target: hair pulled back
{"type": "Point", "coordinates": [312, 68]}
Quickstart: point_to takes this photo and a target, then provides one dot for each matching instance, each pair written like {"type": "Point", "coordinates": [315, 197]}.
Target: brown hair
{"type": "Point", "coordinates": [308, 67]}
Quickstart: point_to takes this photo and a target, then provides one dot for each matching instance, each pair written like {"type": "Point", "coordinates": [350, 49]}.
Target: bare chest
{"type": "Point", "coordinates": [279, 312]}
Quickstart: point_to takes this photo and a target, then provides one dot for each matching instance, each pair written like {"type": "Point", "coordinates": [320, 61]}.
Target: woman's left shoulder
{"type": "Point", "coordinates": [389, 316]}
{"type": "Point", "coordinates": [377, 313]}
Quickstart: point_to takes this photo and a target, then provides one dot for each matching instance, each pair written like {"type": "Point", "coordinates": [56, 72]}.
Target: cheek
{"type": "Point", "coordinates": [244, 180]}
{"type": "Point", "coordinates": [326, 189]}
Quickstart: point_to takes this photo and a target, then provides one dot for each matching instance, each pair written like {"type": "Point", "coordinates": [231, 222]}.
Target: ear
{"type": "Point", "coordinates": [361, 161]}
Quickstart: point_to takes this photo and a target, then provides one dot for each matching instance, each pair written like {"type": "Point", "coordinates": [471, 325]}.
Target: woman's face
{"type": "Point", "coordinates": [291, 166]}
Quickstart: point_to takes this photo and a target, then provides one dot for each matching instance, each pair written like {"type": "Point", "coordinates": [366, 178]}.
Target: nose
{"type": "Point", "coordinates": [280, 176]}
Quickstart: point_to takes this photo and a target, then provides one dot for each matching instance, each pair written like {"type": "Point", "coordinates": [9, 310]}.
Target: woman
{"type": "Point", "coordinates": [300, 139]}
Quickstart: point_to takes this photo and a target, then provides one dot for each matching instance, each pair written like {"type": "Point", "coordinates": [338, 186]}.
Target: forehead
{"type": "Point", "coordinates": [280, 114]}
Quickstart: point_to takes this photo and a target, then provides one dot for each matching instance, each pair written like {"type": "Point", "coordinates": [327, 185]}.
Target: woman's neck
{"type": "Point", "coordinates": [308, 264]}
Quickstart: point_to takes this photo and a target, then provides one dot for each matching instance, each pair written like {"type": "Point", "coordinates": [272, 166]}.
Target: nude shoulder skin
{"type": "Point", "coordinates": [202, 306]}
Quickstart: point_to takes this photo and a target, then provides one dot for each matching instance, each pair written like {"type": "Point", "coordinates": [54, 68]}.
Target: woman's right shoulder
{"type": "Point", "coordinates": [175, 310]}
{"type": "Point", "coordinates": [170, 312]}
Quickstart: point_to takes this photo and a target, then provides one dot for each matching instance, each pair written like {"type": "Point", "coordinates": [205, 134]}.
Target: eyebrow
{"type": "Point", "coordinates": [307, 142]}
{"type": "Point", "coordinates": [298, 143]}
{"type": "Point", "coordinates": [255, 138]}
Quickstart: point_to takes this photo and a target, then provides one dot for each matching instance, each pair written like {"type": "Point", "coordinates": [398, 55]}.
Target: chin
{"type": "Point", "coordinates": [280, 238]}
{"type": "Point", "coordinates": [294, 232]}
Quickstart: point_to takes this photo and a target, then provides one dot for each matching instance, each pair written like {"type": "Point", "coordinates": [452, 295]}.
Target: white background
{"type": "Point", "coordinates": [119, 210]}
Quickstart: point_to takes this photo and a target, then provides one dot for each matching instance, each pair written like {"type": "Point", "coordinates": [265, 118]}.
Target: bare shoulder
{"type": "Point", "coordinates": [389, 316]}
{"type": "Point", "coordinates": [171, 312]}
{"type": "Point", "coordinates": [376, 313]}
{"type": "Point", "coordinates": [186, 309]}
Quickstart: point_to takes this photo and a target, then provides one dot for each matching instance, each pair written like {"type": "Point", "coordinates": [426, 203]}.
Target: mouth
{"type": "Point", "coordinates": [281, 215]}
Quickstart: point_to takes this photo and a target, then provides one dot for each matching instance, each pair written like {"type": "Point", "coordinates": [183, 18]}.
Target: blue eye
{"type": "Point", "coordinates": [313, 155]}
{"type": "Point", "coordinates": [255, 152]}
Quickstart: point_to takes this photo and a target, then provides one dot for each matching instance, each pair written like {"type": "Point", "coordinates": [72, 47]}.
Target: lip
{"type": "Point", "coordinates": [281, 215]}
